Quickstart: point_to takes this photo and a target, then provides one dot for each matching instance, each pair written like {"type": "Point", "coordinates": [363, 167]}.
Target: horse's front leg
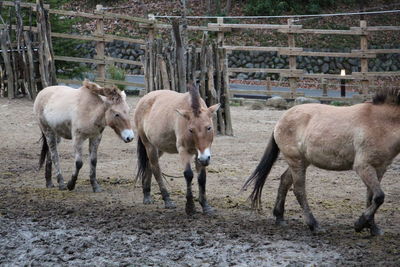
{"type": "Point", "coordinates": [153, 155]}
{"type": "Point", "coordinates": [188, 173]}
{"type": "Point", "coordinates": [77, 144]}
{"type": "Point", "coordinates": [201, 179]}
{"type": "Point", "coordinates": [93, 146]}
{"type": "Point", "coordinates": [52, 142]}
{"type": "Point", "coordinates": [375, 198]}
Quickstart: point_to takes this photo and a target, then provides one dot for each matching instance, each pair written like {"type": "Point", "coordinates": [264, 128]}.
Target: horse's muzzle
{"type": "Point", "coordinates": [204, 157]}
{"type": "Point", "coordinates": [127, 135]}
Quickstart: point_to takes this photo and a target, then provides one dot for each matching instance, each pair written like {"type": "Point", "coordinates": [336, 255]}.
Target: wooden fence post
{"type": "Point", "coordinates": [292, 61]}
{"type": "Point", "coordinates": [7, 62]}
{"type": "Point", "coordinates": [100, 47]}
{"type": "Point", "coordinates": [324, 87]}
{"type": "Point", "coordinates": [364, 61]}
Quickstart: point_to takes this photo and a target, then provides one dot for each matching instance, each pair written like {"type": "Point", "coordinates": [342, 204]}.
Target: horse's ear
{"type": "Point", "coordinates": [214, 108]}
{"type": "Point", "coordinates": [123, 95]}
{"type": "Point", "coordinates": [94, 87]}
{"type": "Point", "coordinates": [113, 94]}
{"type": "Point", "coordinates": [183, 113]}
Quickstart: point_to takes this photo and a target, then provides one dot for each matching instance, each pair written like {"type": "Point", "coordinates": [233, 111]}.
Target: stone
{"type": "Point", "coordinates": [242, 76]}
{"type": "Point", "coordinates": [305, 100]}
{"type": "Point", "coordinates": [325, 67]}
{"type": "Point", "coordinates": [277, 102]}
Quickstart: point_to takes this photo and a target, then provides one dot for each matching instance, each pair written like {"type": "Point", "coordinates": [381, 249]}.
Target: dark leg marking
{"type": "Point", "coordinates": [190, 207]}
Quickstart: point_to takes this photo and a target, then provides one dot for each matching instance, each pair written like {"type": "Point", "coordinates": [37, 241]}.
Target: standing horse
{"type": "Point", "coordinates": [363, 137]}
{"type": "Point", "coordinates": [79, 114]}
{"type": "Point", "coordinates": [171, 122]}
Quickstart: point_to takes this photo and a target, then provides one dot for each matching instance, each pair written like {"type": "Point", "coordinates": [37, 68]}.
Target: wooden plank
{"type": "Point", "coordinates": [378, 28]}
{"type": "Point", "coordinates": [74, 13]}
{"type": "Point", "coordinates": [7, 63]}
{"type": "Point", "coordinates": [266, 70]}
{"type": "Point", "coordinates": [109, 60]}
{"type": "Point", "coordinates": [109, 15]}
{"type": "Point", "coordinates": [253, 26]}
{"type": "Point", "coordinates": [262, 48]}
{"type": "Point", "coordinates": [326, 76]}
{"type": "Point", "coordinates": [363, 75]}
{"type": "Point", "coordinates": [263, 92]}
{"type": "Point", "coordinates": [14, 27]}
{"type": "Point", "coordinates": [111, 37]}
{"type": "Point", "coordinates": [24, 4]}
{"type": "Point", "coordinates": [327, 54]}
{"type": "Point", "coordinates": [377, 51]}
{"type": "Point", "coordinates": [100, 45]}
{"type": "Point", "coordinates": [292, 60]}
{"type": "Point", "coordinates": [76, 36]}
{"type": "Point", "coordinates": [110, 81]}
{"type": "Point", "coordinates": [364, 61]}
{"type": "Point", "coordinates": [321, 31]}
{"type": "Point", "coordinates": [79, 59]}
{"type": "Point", "coordinates": [68, 81]}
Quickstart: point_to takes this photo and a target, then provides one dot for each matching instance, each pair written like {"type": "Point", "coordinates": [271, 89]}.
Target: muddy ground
{"type": "Point", "coordinates": [43, 227]}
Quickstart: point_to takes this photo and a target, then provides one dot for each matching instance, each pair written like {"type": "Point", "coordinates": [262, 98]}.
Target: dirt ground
{"type": "Point", "coordinates": [43, 227]}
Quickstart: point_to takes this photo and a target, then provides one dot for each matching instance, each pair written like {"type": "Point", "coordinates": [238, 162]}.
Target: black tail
{"type": "Point", "coordinates": [44, 152]}
{"type": "Point", "coordinates": [142, 161]}
{"type": "Point", "coordinates": [260, 174]}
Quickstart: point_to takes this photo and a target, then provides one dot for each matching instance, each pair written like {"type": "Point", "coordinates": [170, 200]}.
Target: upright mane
{"type": "Point", "coordinates": [112, 93]}
{"type": "Point", "coordinates": [195, 98]}
{"type": "Point", "coordinates": [390, 95]}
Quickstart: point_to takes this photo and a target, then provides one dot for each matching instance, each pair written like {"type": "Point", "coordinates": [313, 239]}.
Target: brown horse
{"type": "Point", "coordinates": [79, 114]}
{"type": "Point", "coordinates": [363, 137]}
{"type": "Point", "coordinates": [172, 122]}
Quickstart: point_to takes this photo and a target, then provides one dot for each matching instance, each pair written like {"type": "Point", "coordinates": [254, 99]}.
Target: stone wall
{"type": "Point", "coordinates": [245, 59]}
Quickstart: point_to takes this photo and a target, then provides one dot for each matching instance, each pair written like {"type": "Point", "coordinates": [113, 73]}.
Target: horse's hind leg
{"type": "Point", "coordinates": [146, 185]}
{"type": "Point", "coordinates": [284, 186]}
{"type": "Point", "coordinates": [201, 179]}
{"type": "Point", "coordinates": [47, 173]}
{"type": "Point", "coordinates": [375, 198]}
{"type": "Point", "coordinates": [153, 155]}
{"type": "Point", "coordinates": [77, 143]}
{"type": "Point", "coordinates": [299, 188]}
{"type": "Point", "coordinates": [52, 141]}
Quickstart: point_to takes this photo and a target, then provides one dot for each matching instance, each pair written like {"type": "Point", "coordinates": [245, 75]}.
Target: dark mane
{"type": "Point", "coordinates": [390, 95]}
{"type": "Point", "coordinates": [195, 98]}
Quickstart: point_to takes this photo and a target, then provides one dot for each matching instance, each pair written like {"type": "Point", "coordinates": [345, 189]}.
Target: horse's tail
{"type": "Point", "coordinates": [44, 152]}
{"type": "Point", "coordinates": [261, 172]}
{"type": "Point", "coordinates": [142, 160]}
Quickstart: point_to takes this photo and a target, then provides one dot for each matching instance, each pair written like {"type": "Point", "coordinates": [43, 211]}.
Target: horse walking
{"type": "Point", "coordinates": [171, 122]}
{"type": "Point", "coordinates": [363, 137]}
{"type": "Point", "coordinates": [79, 114]}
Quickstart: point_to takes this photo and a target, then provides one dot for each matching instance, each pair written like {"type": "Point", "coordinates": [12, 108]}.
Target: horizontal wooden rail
{"type": "Point", "coordinates": [79, 59]}
{"type": "Point", "coordinates": [322, 31]}
{"type": "Point", "coordinates": [264, 70]}
{"type": "Point", "coordinates": [24, 4]}
{"type": "Point", "coordinates": [328, 54]}
{"type": "Point", "coordinates": [111, 37]}
{"type": "Point", "coordinates": [263, 92]}
{"type": "Point", "coordinates": [76, 36]}
{"type": "Point", "coordinates": [121, 60]}
{"type": "Point", "coordinates": [262, 48]}
{"type": "Point", "coordinates": [377, 51]}
{"type": "Point", "coordinates": [110, 81]}
{"type": "Point", "coordinates": [253, 26]}
{"type": "Point", "coordinates": [378, 28]}
{"type": "Point", "coordinates": [74, 14]}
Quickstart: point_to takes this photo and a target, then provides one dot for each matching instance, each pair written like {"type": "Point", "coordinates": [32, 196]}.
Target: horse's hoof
{"type": "Point", "coordinates": [62, 187]}
{"type": "Point", "coordinates": [281, 222]}
{"type": "Point", "coordinates": [190, 209]}
{"type": "Point", "coordinates": [209, 211]}
{"type": "Point", "coordinates": [360, 224]}
{"type": "Point", "coordinates": [318, 230]}
{"type": "Point", "coordinates": [376, 231]}
{"type": "Point", "coordinates": [148, 201]}
{"type": "Point", "coordinates": [51, 185]}
{"type": "Point", "coordinates": [169, 204]}
{"type": "Point", "coordinates": [97, 189]}
{"type": "Point", "coordinates": [71, 186]}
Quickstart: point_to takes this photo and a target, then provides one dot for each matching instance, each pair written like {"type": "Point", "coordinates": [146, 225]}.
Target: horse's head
{"type": "Point", "coordinates": [117, 111]}
{"type": "Point", "coordinates": [117, 114]}
{"type": "Point", "coordinates": [199, 126]}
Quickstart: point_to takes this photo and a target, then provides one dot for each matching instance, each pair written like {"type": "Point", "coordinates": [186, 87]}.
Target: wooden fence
{"type": "Point", "coordinates": [293, 73]}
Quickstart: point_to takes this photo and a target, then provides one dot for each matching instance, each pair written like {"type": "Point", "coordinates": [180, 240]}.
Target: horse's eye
{"type": "Point", "coordinates": [191, 130]}
{"type": "Point", "coordinates": [209, 128]}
